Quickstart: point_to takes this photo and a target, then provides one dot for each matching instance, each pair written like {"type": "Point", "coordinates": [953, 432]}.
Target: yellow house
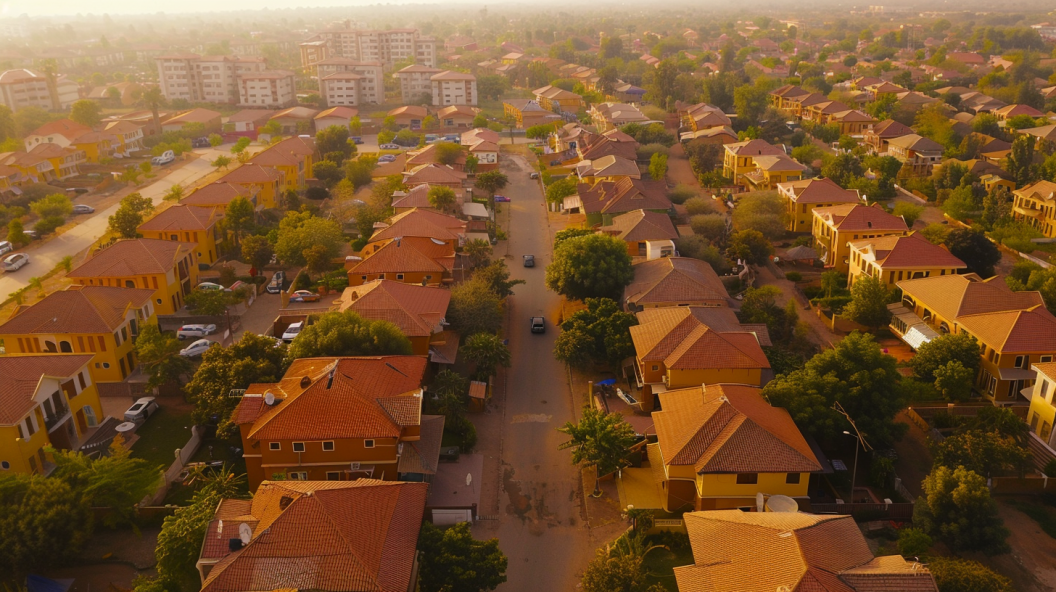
{"type": "Point", "coordinates": [69, 134]}
{"type": "Point", "coordinates": [720, 445]}
{"type": "Point", "coordinates": [895, 258]}
{"type": "Point", "coordinates": [48, 401]}
{"type": "Point", "coordinates": [188, 224]}
{"type": "Point", "coordinates": [129, 136]}
{"type": "Point", "coordinates": [169, 268]}
{"type": "Point", "coordinates": [266, 183]}
{"type": "Point", "coordinates": [801, 197]}
{"type": "Point", "coordinates": [557, 99]}
{"type": "Point", "coordinates": [417, 310]}
{"type": "Point", "coordinates": [99, 321]}
{"type": "Point", "coordinates": [1042, 414]}
{"type": "Point", "coordinates": [739, 159]}
{"type": "Point", "coordinates": [834, 227]}
{"type": "Point", "coordinates": [46, 162]}
{"type": "Point", "coordinates": [682, 346]}
{"type": "Point", "coordinates": [218, 195]}
{"type": "Point", "coordinates": [1036, 204]}
{"type": "Point", "coordinates": [771, 170]}
{"type": "Point", "coordinates": [96, 145]}
{"type": "Point", "coordinates": [293, 157]}
{"type": "Point", "coordinates": [1014, 329]}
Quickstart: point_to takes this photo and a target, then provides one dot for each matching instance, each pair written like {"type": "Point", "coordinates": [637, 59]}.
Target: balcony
{"type": "Point", "coordinates": [60, 415]}
{"type": "Point", "coordinates": [1030, 212]}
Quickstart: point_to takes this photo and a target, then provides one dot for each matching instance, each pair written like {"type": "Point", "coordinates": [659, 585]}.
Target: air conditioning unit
{"type": "Point", "coordinates": [354, 466]}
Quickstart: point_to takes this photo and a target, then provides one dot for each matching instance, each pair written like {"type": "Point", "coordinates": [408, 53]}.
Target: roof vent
{"type": "Point", "coordinates": [285, 501]}
{"type": "Point", "coordinates": [869, 224]}
{"type": "Point", "coordinates": [306, 382]}
{"type": "Point", "coordinates": [330, 377]}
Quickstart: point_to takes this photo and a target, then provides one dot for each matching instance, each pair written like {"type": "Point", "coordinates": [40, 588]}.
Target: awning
{"type": "Point", "coordinates": [919, 335]}
{"type": "Point", "coordinates": [1016, 374]}
{"type": "Point", "coordinates": [572, 202]}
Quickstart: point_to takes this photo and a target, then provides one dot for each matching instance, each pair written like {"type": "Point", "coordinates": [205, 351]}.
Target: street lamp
{"type": "Point", "coordinates": [854, 472]}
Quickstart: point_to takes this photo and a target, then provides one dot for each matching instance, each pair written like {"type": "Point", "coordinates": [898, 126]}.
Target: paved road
{"type": "Point", "coordinates": [542, 530]}
{"type": "Point", "coordinates": [45, 256]}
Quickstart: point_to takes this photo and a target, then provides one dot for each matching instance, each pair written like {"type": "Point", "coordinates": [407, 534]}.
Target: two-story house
{"type": "Point", "coordinates": [835, 227]}
{"type": "Point", "coordinates": [412, 260]}
{"type": "Point", "coordinates": [917, 154]}
{"type": "Point", "coordinates": [642, 228]}
{"type": "Point", "coordinates": [772, 170]}
{"type": "Point", "coordinates": [167, 267]}
{"type": "Point", "coordinates": [1035, 204]}
{"type": "Point", "coordinates": [674, 282]}
{"type": "Point", "coordinates": [1042, 413]}
{"type": "Point", "coordinates": [338, 419]}
{"type": "Point", "coordinates": [99, 321]}
{"type": "Point", "coordinates": [739, 159]}
{"type": "Point", "coordinates": [557, 99]}
{"type": "Point", "coordinates": [894, 258]}
{"type": "Point", "coordinates": [417, 310]}
{"type": "Point", "coordinates": [293, 157]}
{"type": "Point", "coordinates": [128, 134]}
{"type": "Point", "coordinates": [219, 194]}
{"type": "Point", "coordinates": [801, 197]}
{"type": "Point", "coordinates": [188, 224]}
{"type": "Point", "coordinates": [878, 136]}
{"type": "Point", "coordinates": [266, 185]}
{"type": "Point", "coordinates": [47, 401]}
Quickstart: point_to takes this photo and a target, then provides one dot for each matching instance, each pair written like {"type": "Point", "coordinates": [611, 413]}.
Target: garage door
{"type": "Point", "coordinates": [449, 517]}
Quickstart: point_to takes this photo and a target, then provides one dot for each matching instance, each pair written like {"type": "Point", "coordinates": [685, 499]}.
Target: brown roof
{"type": "Point", "coordinates": [820, 190]}
{"type": "Point", "coordinates": [728, 428]}
{"type": "Point", "coordinates": [695, 337]}
{"type": "Point", "coordinates": [907, 252]}
{"type": "Point", "coordinates": [217, 193]}
{"type": "Point", "coordinates": [249, 115]}
{"type": "Point", "coordinates": [624, 195]}
{"type": "Point", "coordinates": [251, 173]}
{"type": "Point", "coordinates": [329, 536]}
{"type": "Point", "coordinates": [641, 225]}
{"type": "Point", "coordinates": [408, 255]}
{"type": "Point", "coordinates": [889, 128]}
{"type": "Point", "coordinates": [433, 174]}
{"type": "Point", "coordinates": [417, 310]}
{"type": "Point", "coordinates": [133, 257]}
{"type": "Point", "coordinates": [421, 223]}
{"type": "Point", "coordinates": [417, 197]}
{"type": "Point", "coordinates": [194, 116]}
{"type": "Point", "coordinates": [916, 143]}
{"type": "Point", "coordinates": [181, 217]}
{"type": "Point", "coordinates": [768, 551]}
{"type": "Point", "coordinates": [675, 279]}
{"type": "Point", "coordinates": [62, 127]}
{"type": "Point", "coordinates": [367, 397]}
{"type": "Point", "coordinates": [428, 155]}
{"type": "Point", "coordinates": [20, 377]}
{"type": "Point", "coordinates": [288, 152]}
{"type": "Point", "coordinates": [423, 455]}
{"type": "Point", "coordinates": [858, 217]}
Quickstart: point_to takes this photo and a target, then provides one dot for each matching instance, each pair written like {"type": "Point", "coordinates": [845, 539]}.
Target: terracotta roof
{"type": "Point", "coordinates": [341, 111]}
{"type": "Point", "coordinates": [859, 217]}
{"type": "Point", "coordinates": [916, 143]}
{"type": "Point", "coordinates": [408, 255]}
{"type": "Point", "coordinates": [251, 173]}
{"type": "Point", "coordinates": [421, 223]}
{"type": "Point", "coordinates": [409, 111]}
{"type": "Point", "coordinates": [608, 166]}
{"type": "Point", "coordinates": [726, 428]}
{"type": "Point", "coordinates": [1010, 111]}
{"type": "Point", "coordinates": [423, 455]}
{"type": "Point", "coordinates": [1044, 190]}
{"type": "Point", "coordinates": [417, 197]}
{"type": "Point", "coordinates": [78, 309]}
{"type": "Point", "coordinates": [789, 90]}
{"type": "Point", "coordinates": [288, 152]}
{"type": "Point", "coordinates": [641, 225]}
{"type": "Point", "coordinates": [609, 146]}
{"type": "Point", "coordinates": [20, 376]}
{"type": "Point", "coordinates": [428, 155]}
{"type": "Point", "coordinates": [367, 397]}
{"type": "Point", "coordinates": [451, 75]}
{"type": "Point", "coordinates": [247, 115]}
{"type": "Point", "coordinates": [778, 162]}
{"type": "Point", "coordinates": [416, 310]}
{"type": "Point", "coordinates": [133, 257]}
{"type": "Point", "coordinates": [624, 195]}
{"type": "Point", "coordinates": [1046, 368]}
{"type": "Point", "coordinates": [217, 193]}
{"type": "Point", "coordinates": [62, 127]}
{"type": "Point", "coordinates": [675, 280]}
{"type": "Point", "coordinates": [436, 174]}
{"type": "Point", "coordinates": [696, 337]}
{"type": "Point", "coordinates": [820, 190]}
{"type": "Point", "coordinates": [767, 551]}
{"type": "Point", "coordinates": [754, 148]}
{"type": "Point", "coordinates": [907, 252]}
{"type": "Point", "coordinates": [889, 128]}
{"type": "Point", "coordinates": [181, 217]}
{"type": "Point", "coordinates": [329, 536]}
{"type": "Point", "coordinates": [296, 113]}
{"type": "Point", "coordinates": [193, 116]}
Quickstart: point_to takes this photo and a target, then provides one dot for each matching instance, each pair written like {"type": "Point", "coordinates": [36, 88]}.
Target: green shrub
{"type": "Point", "coordinates": [49, 224]}
{"type": "Point", "coordinates": [913, 542]}
{"type": "Point", "coordinates": [794, 276]}
{"type": "Point", "coordinates": [681, 193]}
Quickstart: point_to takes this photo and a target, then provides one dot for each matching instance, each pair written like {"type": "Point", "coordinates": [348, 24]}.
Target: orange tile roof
{"type": "Point", "coordinates": [288, 152]}
{"type": "Point", "coordinates": [20, 377]}
{"type": "Point", "coordinates": [63, 127]}
{"type": "Point", "coordinates": [368, 397]}
{"type": "Point", "coordinates": [77, 310]}
{"type": "Point", "coordinates": [217, 193]}
{"type": "Point", "coordinates": [433, 173]}
{"type": "Point", "coordinates": [251, 173]}
{"type": "Point", "coordinates": [912, 251]}
{"type": "Point", "coordinates": [181, 217]}
{"type": "Point", "coordinates": [133, 257]}
{"type": "Point", "coordinates": [767, 551]}
{"type": "Point", "coordinates": [198, 115]}
{"type": "Point", "coordinates": [330, 536]}
{"type": "Point", "coordinates": [675, 279]}
{"type": "Point", "coordinates": [641, 225]}
{"type": "Point", "coordinates": [754, 148]}
{"type": "Point", "coordinates": [624, 195]}
{"type": "Point", "coordinates": [695, 337]}
{"type": "Point", "coordinates": [417, 197]}
{"type": "Point", "coordinates": [820, 190]}
{"type": "Point", "coordinates": [416, 310]}
{"type": "Point", "coordinates": [422, 223]}
{"type": "Point", "coordinates": [408, 255]}
{"type": "Point", "coordinates": [858, 217]}
{"type": "Point", "coordinates": [1046, 368]}
{"type": "Point", "coordinates": [423, 455]}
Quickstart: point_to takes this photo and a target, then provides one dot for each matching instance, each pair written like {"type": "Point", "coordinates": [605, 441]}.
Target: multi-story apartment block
{"type": "Point", "coordinates": [267, 88]}
{"type": "Point", "coordinates": [25, 88]}
{"type": "Point", "coordinates": [415, 81]}
{"type": "Point", "coordinates": [387, 47]}
{"type": "Point", "coordinates": [348, 82]}
{"type": "Point", "coordinates": [454, 88]}
{"type": "Point", "coordinates": [214, 79]}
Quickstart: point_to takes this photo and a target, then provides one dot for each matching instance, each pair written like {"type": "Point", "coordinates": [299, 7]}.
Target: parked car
{"type": "Point", "coordinates": [538, 325]}
{"type": "Point", "coordinates": [15, 262]}
{"type": "Point", "coordinates": [83, 209]}
{"type": "Point", "coordinates": [529, 260]}
{"type": "Point", "coordinates": [502, 198]}
{"type": "Point", "coordinates": [390, 146]}
{"type": "Point", "coordinates": [533, 176]}
{"type": "Point", "coordinates": [6, 247]}
{"type": "Point", "coordinates": [275, 285]}
{"type": "Point", "coordinates": [453, 138]}
{"type": "Point", "coordinates": [196, 349]}
{"type": "Point", "coordinates": [292, 331]}
{"type": "Point", "coordinates": [32, 234]}
{"type": "Point", "coordinates": [431, 138]}
{"type": "Point", "coordinates": [165, 158]}
{"type": "Point", "coordinates": [356, 139]}
{"type": "Point", "coordinates": [195, 331]}
{"type": "Point", "coordinates": [202, 142]}
{"type": "Point", "coordinates": [387, 158]}
{"type": "Point", "coordinates": [209, 287]}
{"type": "Point", "coordinates": [141, 410]}
{"type": "Point", "coordinates": [304, 296]}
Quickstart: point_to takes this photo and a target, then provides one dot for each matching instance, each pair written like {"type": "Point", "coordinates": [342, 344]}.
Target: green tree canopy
{"type": "Point", "coordinates": [335, 140]}
{"type": "Point", "coordinates": [239, 216]}
{"type": "Point", "coordinates": [44, 523]}
{"type": "Point", "coordinates": [117, 481]}
{"type": "Point", "coordinates": [972, 247]}
{"type": "Point", "coordinates": [563, 235]}
{"type": "Point", "coordinates": [86, 112]}
{"type": "Point", "coordinates": [256, 251]}
{"type": "Point", "coordinates": [953, 574]}
{"type": "Point", "coordinates": [497, 277]}
{"type": "Point", "coordinates": [348, 334]}
{"type": "Point", "coordinates": [474, 308]}
{"type": "Point", "coordinates": [760, 305]}
{"type": "Point", "coordinates": [442, 198]}
{"type": "Point", "coordinates": [53, 205]}
{"type": "Point", "coordinates": [750, 246]}
{"type": "Point", "coordinates": [159, 356]}
{"type": "Point", "coordinates": [129, 215]}
{"type": "Point", "coordinates": [448, 152]}
{"type": "Point", "coordinates": [487, 353]}
{"type": "Point", "coordinates": [599, 439]}
{"type": "Point", "coordinates": [299, 231]}
{"type": "Point", "coordinates": [453, 560]}
{"type": "Point", "coordinates": [594, 266]}
{"type": "Point", "coordinates": [957, 509]}
{"type": "Point", "coordinates": [869, 300]}
{"type": "Point", "coordinates": [607, 331]}
{"type": "Point", "coordinates": [762, 211]}
{"type": "Point", "coordinates": [934, 354]}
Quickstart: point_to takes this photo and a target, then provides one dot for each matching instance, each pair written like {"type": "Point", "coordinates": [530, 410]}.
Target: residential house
{"type": "Point", "coordinates": [642, 228]}
{"type": "Point", "coordinates": [412, 260]}
{"type": "Point", "coordinates": [218, 195]}
{"type": "Point", "coordinates": [1035, 204]}
{"type": "Point", "coordinates": [129, 136]}
{"type": "Point", "coordinates": [990, 175]}
{"type": "Point", "coordinates": [1009, 111]}
{"type": "Point", "coordinates": [607, 116]}
{"type": "Point", "coordinates": [69, 134]}
{"type": "Point", "coordinates": [1045, 135]}
{"type": "Point", "coordinates": [1042, 413]}
{"type": "Point", "coordinates": [46, 162]}
{"type": "Point", "coordinates": [372, 408]}
{"type": "Point", "coordinates": [169, 268]}
{"type": "Point", "coordinates": [340, 536]}
{"type": "Point", "coordinates": [880, 134]}
{"type": "Point", "coordinates": [453, 88]}
{"type": "Point", "coordinates": [264, 184]}
{"type": "Point", "coordinates": [340, 116]}
{"type": "Point", "coordinates": [292, 157]}
{"type": "Point", "coordinates": [446, 229]}
{"type": "Point", "coordinates": [626, 93]}
{"type": "Point", "coordinates": [702, 116]}
{"type": "Point", "coordinates": [434, 174]}
{"type": "Point", "coordinates": [207, 117]}
{"type": "Point", "coordinates": [415, 83]}
{"type": "Point", "coordinates": [799, 551]}
{"type": "Point", "coordinates": [917, 153]}
{"type": "Point", "coordinates": [611, 143]}
{"type": "Point", "coordinates": [409, 116]}
{"type": "Point", "coordinates": [852, 122]}
{"type": "Point", "coordinates": [772, 170]}
{"type": "Point", "coordinates": [739, 159]}
{"type": "Point", "coordinates": [673, 282]}
{"type": "Point", "coordinates": [249, 120]}
{"type": "Point", "coordinates": [557, 99]}
{"type": "Point", "coordinates": [98, 321]}
{"type": "Point", "coordinates": [720, 445]}
{"type": "Point", "coordinates": [609, 198]}
{"type": "Point", "coordinates": [417, 310]}
{"type": "Point", "coordinates": [428, 155]}
{"type": "Point", "coordinates": [188, 224]}
{"type": "Point", "coordinates": [607, 168]}
{"type": "Point", "coordinates": [783, 98]}
{"type": "Point", "coordinates": [486, 151]}
{"type": "Point", "coordinates": [416, 197]}
{"type": "Point", "coordinates": [48, 401]}
{"type": "Point", "coordinates": [835, 227]}
{"type": "Point", "coordinates": [268, 89]}
{"type": "Point", "coordinates": [295, 120]}
{"type": "Point", "coordinates": [1014, 329]}
{"type": "Point", "coordinates": [801, 197]}
{"type": "Point", "coordinates": [457, 116]}
{"type": "Point", "coordinates": [528, 113]}
{"type": "Point", "coordinates": [711, 135]}
{"type": "Point", "coordinates": [894, 258]}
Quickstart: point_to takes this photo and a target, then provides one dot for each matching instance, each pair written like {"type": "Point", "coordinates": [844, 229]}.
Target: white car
{"type": "Point", "coordinates": [292, 331]}
{"type": "Point", "coordinates": [83, 209]}
{"type": "Point", "coordinates": [141, 410]}
{"type": "Point", "coordinates": [196, 349]}
{"type": "Point", "coordinates": [15, 262]}
{"type": "Point", "coordinates": [210, 286]}
{"type": "Point", "coordinates": [195, 331]}
{"type": "Point", "coordinates": [6, 247]}
{"type": "Point", "coordinates": [165, 158]}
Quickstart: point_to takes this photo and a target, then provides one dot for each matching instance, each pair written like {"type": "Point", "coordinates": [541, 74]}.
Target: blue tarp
{"type": "Point", "coordinates": [42, 584]}
{"type": "Point", "coordinates": [606, 381]}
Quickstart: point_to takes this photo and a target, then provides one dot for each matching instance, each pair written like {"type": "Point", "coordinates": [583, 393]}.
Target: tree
{"type": "Point", "coordinates": [763, 211]}
{"type": "Point", "coordinates": [570, 233]}
{"type": "Point", "coordinates": [55, 205]}
{"type": "Point", "coordinates": [210, 302]}
{"type": "Point", "coordinates": [129, 215]}
{"type": "Point", "coordinates": [348, 334]}
{"type": "Point", "coordinates": [175, 193]}
{"type": "Point", "coordinates": [909, 212]}
{"type": "Point", "coordinates": [253, 358]}
{"type": "Point", "coordinates": [492, 86]}
{"type": "Point", "coordinates": [486, 352]}
{"type": "Point", "coordinates": [222, 162]}
{"type": "Point", "coordinates": [453, 560]}
{"type": "Point", "coordinates": [578, 349]}
{"type": "Point", "coordinates": [698, 247]}
{"type": "Point", "coordinates": [86, 112]}
{"type": "Point", "coordinates": [594, 266]}
{"type": "Point", "coordinates": [335, 139]}
{"type": "Point", "coordinates": [868, 305]}
{"type": "Point", "coordinates": [8, 129]}
{"type": "Point", "coordinates": [44, 523]}
{"type": "Point", "coordinates": [16, 233]}
{"type": "Point", "coordinates": [359, 171]}
{"type": "Point", "coordinates": [557, 191]}
{"type": "Point", "coordinates": [492, 182]}
{"type": "Point", "coordinates": [953, 574]}
{"type": "Point", "coordinates": [298, 231]}
{"type": "Point", "coordinates": [843, 168]}
{"type": "Point", "coordinates": [856, 374]}
{"type": "Point", "coordinates": [1020, 162]}
{"type": "Point", "coordinates": [474, 308]}
{"type": "Point", "coordinates": [913, 542]}
{"type": "Point", "coordinates": [599, 440]}
{"type": "Point", "coordinates": [159, 356]}
{"type": "Point", "coordinates": [1027, 275]}
{"type": "Point", "coordinates": [616, 572]}
{"type": "Point", "coordinates": [986, 452]}
{"type": "Point", "coordinates": [355, 125]}
{"type": "Point", "coordinates": [180, 540]}
{"type": "Point", "coordinates": [954, 381]}
{"type": "Point", "coordinates": [442, 198]}
{"type": "Point", "coordinates": [241, 145]}
{"type": "Point", "coordinates": [328, 172]}
{"type": "Point", "coordinates": [447, 152]}
{"type": "Point", "coordinates": [256, 251]}
{"type": "Point", "coordinates": [497, 277]}
{"type": "Point", "coordinates": [957, 509]}
{"type": "Point", "coordinates": [215, 140]}
{"type": "Point", "coordinates": [937, 353]}
{"type": "Point", "coordinates": [239, 216]}
{"type": "Point", "coordinates": [658, 166]}
{"type": "Point", "coordinates": [608, 328]}
{"type": "Point", "coordinates": [760, 306]}
{"type": "Point", "coordinates": [713, 227]}
{"type": "Point", "coordinates": [972, 247]}
{"type": "Point", "coordinates": [749, 246]}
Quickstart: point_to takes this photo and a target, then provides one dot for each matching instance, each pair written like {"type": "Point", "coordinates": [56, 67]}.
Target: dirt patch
{"type": "Point", "coordinates": [520, 504]}
{"type": "Point", "coordinates": [914, 456]}
{"type": "Point", "coordinates": [1032, 563]}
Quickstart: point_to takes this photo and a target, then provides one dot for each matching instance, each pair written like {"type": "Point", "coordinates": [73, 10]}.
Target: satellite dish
{"type": "Point", "coordinates": [244, 533]}
{"type": "Point", "coordinates": [219, 528]}
{"type": "Point", "coordinates": [469, 479]}
{"type": "Point", "coordinates": [269, 398]}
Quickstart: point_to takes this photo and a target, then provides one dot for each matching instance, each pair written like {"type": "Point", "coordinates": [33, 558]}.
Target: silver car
{"type": "Point", "coordinates": [195, 331]}
{"type": "Point", "coordinates": [141, 410]}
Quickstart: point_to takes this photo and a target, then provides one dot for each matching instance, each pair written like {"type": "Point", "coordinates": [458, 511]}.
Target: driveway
{"type": "Point", "coordinates": [540, 528]}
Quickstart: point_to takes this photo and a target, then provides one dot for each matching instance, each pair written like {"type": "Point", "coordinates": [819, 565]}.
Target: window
{"type": "Point", "coordinates": [792, 478]}
{"type": "Point", "coordinates": [655, 367]}
{"type": "Point", "coordinates": [399, 276]}
{"type": "Point", "coordinates": [1045, 359]}
{"type": "Point", "coordinates": [5, 465]}
{"type": "Point", "coordinates": [747, 478]}
{"type": "Point", "coordinates": [301, 476]}
{"type": "Point", "coordinates": [89, 416]}
{"type": "Point", "coordinates": [333, 476]}
{"type": "Point", "coordinates": [274, 446]}
{"type": "Point", "coordinates": [298, 446]}
{"type": "Point", "coordinates": [328, 446]}
{"type": "Point", "coordinates": [1020, 360]}
{"type": "Point", "coordinates": [368, 443]}
{"type": "Point", "coordinates": [106, 365]}
{"type": "Point", "coordinates": [80, 378]}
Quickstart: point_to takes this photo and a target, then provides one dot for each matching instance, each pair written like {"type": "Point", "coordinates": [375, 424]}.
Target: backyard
{"type": "Point", "coordinates": [165, 431]}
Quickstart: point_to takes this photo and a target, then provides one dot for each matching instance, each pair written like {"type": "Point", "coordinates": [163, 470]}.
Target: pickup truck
{"type": "Point", "coordinates": [538, 325]}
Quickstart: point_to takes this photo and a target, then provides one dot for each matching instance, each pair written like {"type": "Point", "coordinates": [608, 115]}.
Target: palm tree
{"type": "Point", "coordinates": [478, 251]}
{"type": "Point", "coordinates": [50, 68]}
{"type": "Point", "coordinates": [600, 440]}
{"type": "Point", "coordinates": [153, 99]}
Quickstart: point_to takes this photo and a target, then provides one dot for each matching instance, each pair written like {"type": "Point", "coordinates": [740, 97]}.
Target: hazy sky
{"type": "Point", "coordinates": [11, 8]}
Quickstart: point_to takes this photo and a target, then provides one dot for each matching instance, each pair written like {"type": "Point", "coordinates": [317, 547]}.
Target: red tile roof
{"type": "Point", "coordinates": [695, 337]}
{"type": "Point", "coordinates": [675, 280]}
{"type": "Point", "coordinates": [77, 310]}
{"type": "Point", "coordinates": [181, 217]}
{"type": "Point", "coordinates": [20, 377]}
{"type": "Point", "coordinates": [641, 225]}
{"type": "Point", "coordinates": [820, 190]}
{"type": "Point", "coordinates": [217, 193]}
{"type": "Point", "coordinates": [416, 310]}
{"type": "Point", "coordinates": [625, 195]}
{"type": "Point", "coordinates": [408, 255]}
{"type": "Point", "coordinates": [907, 252]}
{"type": "Point", "coordinates": [421, 223]}
{"type": "Point", "coordinates": [133, 257]}
{"type": "Point", "coordinates": [858, 217]}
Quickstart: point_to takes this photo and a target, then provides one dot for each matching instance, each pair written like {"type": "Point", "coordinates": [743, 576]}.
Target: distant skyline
{"type": "Point", "coordinates": [14, 8]}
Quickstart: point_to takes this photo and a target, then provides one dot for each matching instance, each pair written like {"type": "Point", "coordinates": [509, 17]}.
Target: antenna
{"type": "Point", "coordinates": [244, 533]}
{"type": "Point", "coordinates": [269, 399]}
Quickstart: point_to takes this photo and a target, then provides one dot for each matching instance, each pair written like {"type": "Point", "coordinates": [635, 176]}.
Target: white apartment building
{"type": "Point", "coordinates": [348, 80]}
{"type": "Point", "coordinates": [25, 88]}
{"type": "Point", "coordinates": [387, 47]}
{"type": "Point", "coordinates": [415, 81]}
{"type": "Point", "coordinates": [213, 79]}
{"type": "Point", "coordinates": [342, 89]}
{"type": "Point", "coordinates": [454, 88]}
{"type": "Point", "coordinates": [267, 88]}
